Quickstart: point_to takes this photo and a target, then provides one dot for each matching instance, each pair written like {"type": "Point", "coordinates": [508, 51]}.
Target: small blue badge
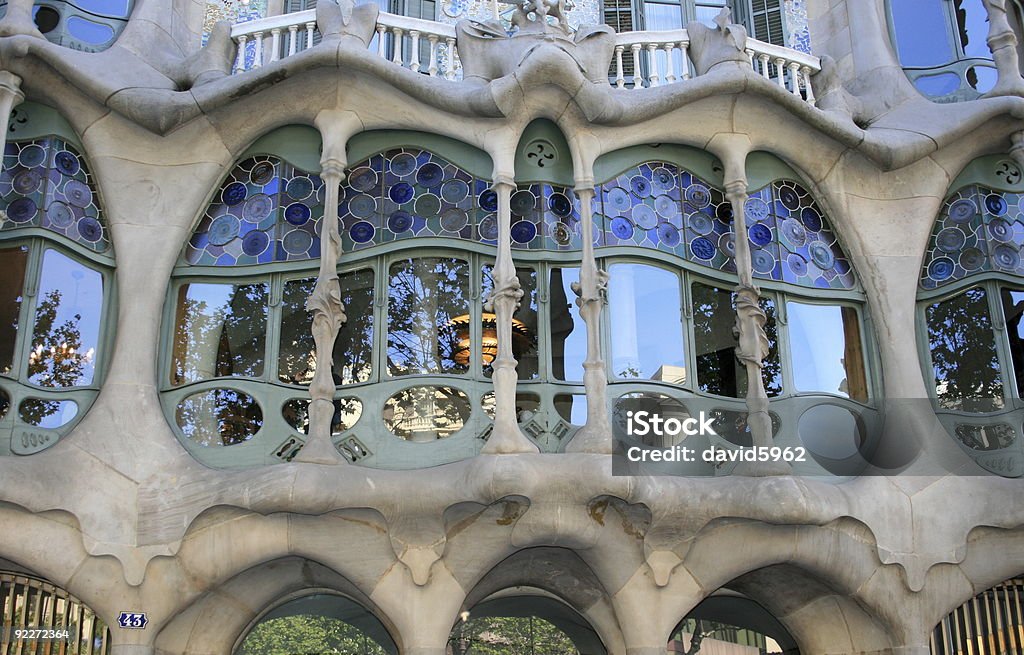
{"type": "Point", "coordinates": [132, 620]}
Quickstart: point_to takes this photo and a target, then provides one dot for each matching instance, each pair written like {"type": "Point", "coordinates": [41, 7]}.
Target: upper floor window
{"type": "Point", "coordinates": [55, 258]}
{"type": "Point", "coordinates": [942, 45]}
{"type": "Point", "coordinates": [87, 25]}
{"type": "Point", "coordinates": [764, 19]}
{"type": "Point", "coordinates": [972, 304]}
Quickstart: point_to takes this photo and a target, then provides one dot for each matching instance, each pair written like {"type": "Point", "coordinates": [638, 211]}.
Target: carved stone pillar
{"type": "Point", "coordinates": [10, 97]}
{"type": "Point", "coordinates": [596, 435]}
{"type": "Point", "coordinates": [1003, 44]}
{"type": "Point", "coordinates": [1017, 148]}
{"type": "Point", "coordinates": [328, 317]}
{"type": "Point", "coordinates": [506, 437]}
{"type": "Point", "coordinates": [753, 341]}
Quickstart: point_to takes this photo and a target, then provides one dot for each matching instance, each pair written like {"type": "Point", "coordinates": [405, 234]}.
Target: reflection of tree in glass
{"type": "Point", "coordinates": [718, 370]}
{"type": "Point", "coordinates": [509, 635]}
{"type": "Point", "coordinates": [525, 343]}
{"type": "Point", "coordinates": [308, 635]}
{"type": "Point", "coordinates": [424, 295]}
{"type": "Point", "coordinates": [56, 359]}
{"type": "Point", "coordinates": [219, 340]}
{"type": "Point", "coordinates": [425, 413]}
{"type": "Point", "coordinates": [967, 374]}
{"type": "Point", "coordinates": [219, 417]}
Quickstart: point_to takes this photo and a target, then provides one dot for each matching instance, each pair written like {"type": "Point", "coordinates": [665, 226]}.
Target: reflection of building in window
{"type": "Point", "coordinates": [942, 44]}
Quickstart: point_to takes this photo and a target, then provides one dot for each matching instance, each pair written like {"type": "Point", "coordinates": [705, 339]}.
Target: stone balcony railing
{"type": "Point", "coordinates": [642, 59]}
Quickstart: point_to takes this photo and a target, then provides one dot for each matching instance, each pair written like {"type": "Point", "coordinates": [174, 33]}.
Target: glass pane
{"type": "Point", "coordinates": [982, 78]}
{"type": "Point", "coordinates": [1013, 310]}
{"type": "Point", "coordinates": [67, 323]}
{"type": "Point", "coordinates": [354, 345]}
{"type": "Point", "coordinates": [718, 370]}
{"type": "Point", "coordinates": [50, 414]}
{"type": "Point", "coordinates": [922, 36]}
{"type": "Point", "coordinates": [427, 299]}
{"type": "Point", "coordinates": [524, 327]}
{"type": "Point", "coordinates": [220, 330]}
{"type": "Point", "coordinates": [967, 373]}
{"type": "Point", "coordinates": [646, 323]}
{"type": "Point", "coordinates": [572, 408]}
{"type": "Point", "coordinates": [219, 417]}
{"type": "Point", "coordinates": [88, 31]}
{"type": "Point", "coordinates": [708, 9]}
{"type": "Point", "coordinates": [938, 85]}
{"type": "Point", "coordinates": [426, 413]}
{"type": "Point", "coordinates": [568, 333]}
{"type": "Point", "coordinates": [12, 281]}
{"type": "Point", "coordinates": [346, 413]}
{"type": "Point", "coordinates": [114, 8]}
{"type": "Point", "coordinates": [826, 349]}
{"type": "Point", "coordinates": [972, 26]}
{"type": "Point", "coordinates": [658, 16]}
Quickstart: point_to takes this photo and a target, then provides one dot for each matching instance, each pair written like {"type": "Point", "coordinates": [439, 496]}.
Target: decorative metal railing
{"type": "Point", "coordinates": [32, 603]}
{"type": "Point", "coordinates": [642, 59]}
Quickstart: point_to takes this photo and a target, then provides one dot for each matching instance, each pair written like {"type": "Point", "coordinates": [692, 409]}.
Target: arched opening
{"type": "Point", "coordinates": [523, 620]}
{"type": "Point", "coordinates": [318, 622]}
{"type": "Point", "coordinates": [991, 623]}
{"type": "Point", "coordinates": [29, 601]}
{"type": "Point", "coordinates": [731, 624]}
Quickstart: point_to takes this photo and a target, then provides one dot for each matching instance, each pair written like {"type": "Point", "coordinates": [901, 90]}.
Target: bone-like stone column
{"type": "Point", "coordinates": [10, 97]}
{"type": "Point", "coordinates": [750, 318]}
{"type": "Point", "coordinates": [507, 437]}
{"type": "Point", "coordinates": [596, 435]}
{"type": "Point", "coordinates": [1003, 44]}
{"type": "Point", "coordinates": [328, 312]}
{"type": "Point", "coordinates": [1017, 147]}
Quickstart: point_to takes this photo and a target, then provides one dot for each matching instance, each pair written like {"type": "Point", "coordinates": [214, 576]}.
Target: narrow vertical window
{"type": "Point", "coordinates": [425, 296]}
{"type": "Point", "coordinates": [12, 263]}
{"type": "Point", "coordinates": [66, 330]}
{"type": "Point", "coordinates": [1013, 312]}
{"type": "Point", "coordinates": [963, 351]}
{"type": "Point", "coordinates": [646, 324]}
{"type": "Point", "coordinates": [568, 333]}
{"type": "Point", "coordinates": [525, 344]}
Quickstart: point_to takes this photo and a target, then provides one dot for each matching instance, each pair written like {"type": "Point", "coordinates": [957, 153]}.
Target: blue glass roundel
{"type": "Point", "coordinates": [1006, 256]}
{"type": "Point", "coordinates": [793, 233]}
{"type": "Point", "coordinates": [363, 179]}
{"type": "Point", "coordinates": [640, 185]}
{"type": "Point", "coordinates": [789, 197]}
{"type": "Point", "coordinates": [234, 193]}
{"type": "Point", "coordinates": [760, 234]}
{"type": "Point", "coordinates": [1000, 230]}
{"type": "Point", "coordinates": [698, 195]}
{"type": "Point", "coordinates": [255, 243]}
{"type": "Point", "coordinates": [429, 175]}
{"type": "Point", "coordinates": [297, 242]}
{"type": "Point", "coordinates": [724, 213]}
{"type": "Point", "coordinates": [400, 221]}
{"type": "Point", "coordinates": [223, 229]}
{"type": "Point", "coordinates": [90, 229]}
{"type": "Point", "coordinates": [821, 255]}
{"type": "Point", "coordinates": [26, 182]}
{"type": "Point", "coordinates": [811, 219]}
{"type": "Point", "coordinates": [454, 191]}
{"type": "Point", "coordinates": [618, 200]}
{"type": "Point", "coordinates": [560, 204]}
{"type": "Point", "coordinates": [952, 239]}
{"type": "Point", "coordinates": [489, 200]}
{"type": "Point", "coordinates": [702, 248]}
{"type": "Point", "coordinates": [261, 173]}
{"type": "Point", "coordinates": [701, 224]}
{"type": "Point", "coordinates": [523, 232]}
{"type": "Point", "coordinates": [523, 203]}
{"type": "Point", "coordinates": [60, 215]}
{"type": "Point", "coordinates": [797, 264]}
{"type": "Point", "coordinates": [972, 259]}
{"type": "Point", "coordinates": [21, 210]}
{"type": "Point", "coordinates": [454, 219]}
{"type": "Point", "coordinates": [995, 204]}
{"type": "Point", "coordinates": [622, 228]}
{"type": "Point", "coordinates": [644, 217]}
{"type": "Point", "coordinates": [78, 193]}
{"type": "Point", "coordinates": [362, 232]}
{"type": "Point", "coordinates": [299, 188]}
{"type": "Point", "coordinates": [762, 261]}
{"type": "Point", "coordinates": [66, 163]}
{"type": "Point", "coordinates": [297, 213]}
{"type": "Point", "coordinates": [403, 164]}
{"type": "Point", "coordinates": [756, 209]}
{"type": "Point", "coordinates": [962, 210]}
{"type": "Point", "coordinates": [668, 234]}
{"type": "Point", "coordinates": [941, 268]}
{"type": "Point", "coordinates": [401, 193]}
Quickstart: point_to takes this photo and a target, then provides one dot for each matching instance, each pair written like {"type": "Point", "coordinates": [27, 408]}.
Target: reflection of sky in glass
{"type": "Point", "coordinates": [818, 343]}
{"type": "Point", "coordinates": [645, 321]}
{"type": "Point", "coordinates": [568, 333]}
{"type": "Point", "coordinates": [658, 16]}
{"type": "Point", "coordinates": [921, 35]}
{"type": "Point", "coordinates": [81, 299]}
{"type": "Point", "coordinates": [708, 9]}
{"type": "Point", "coordinates": [974, 30]}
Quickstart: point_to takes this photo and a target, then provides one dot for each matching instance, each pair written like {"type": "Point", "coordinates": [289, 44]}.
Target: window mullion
{"type": "Point", "coordinates": [26, 317]}
{"type": "Point", "coordinates": [1002, 340]}
{"type": "Point", "coordinates": [275, 315]}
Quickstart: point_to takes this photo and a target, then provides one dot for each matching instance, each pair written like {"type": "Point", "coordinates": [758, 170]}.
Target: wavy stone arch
{"type": "Point", "coordinates": [218, 621]}
{"type": "Point", "coordinates": [562, 579]}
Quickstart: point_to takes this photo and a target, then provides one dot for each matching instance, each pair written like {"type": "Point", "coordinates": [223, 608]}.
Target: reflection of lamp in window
{"type": "Point", "coordinates": [522, 339]}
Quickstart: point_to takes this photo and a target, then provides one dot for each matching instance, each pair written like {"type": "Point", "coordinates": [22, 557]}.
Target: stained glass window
{"type": "Point", "coordinates": [659, 205]}
{"type": "Point", "coordinates": [979, 230]}
{"type": "Point", "coordinates": [45, 183]}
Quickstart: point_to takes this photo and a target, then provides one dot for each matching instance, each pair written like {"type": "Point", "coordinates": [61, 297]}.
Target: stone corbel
{"type": "Point", "coordinates": [1003, 44]}
{"type": "Point", "coordinates": [596, 435]}
{"type": "Point", "coordinates": [507, 437]}
{"type": "Point", "coordinates": [325, 301]}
